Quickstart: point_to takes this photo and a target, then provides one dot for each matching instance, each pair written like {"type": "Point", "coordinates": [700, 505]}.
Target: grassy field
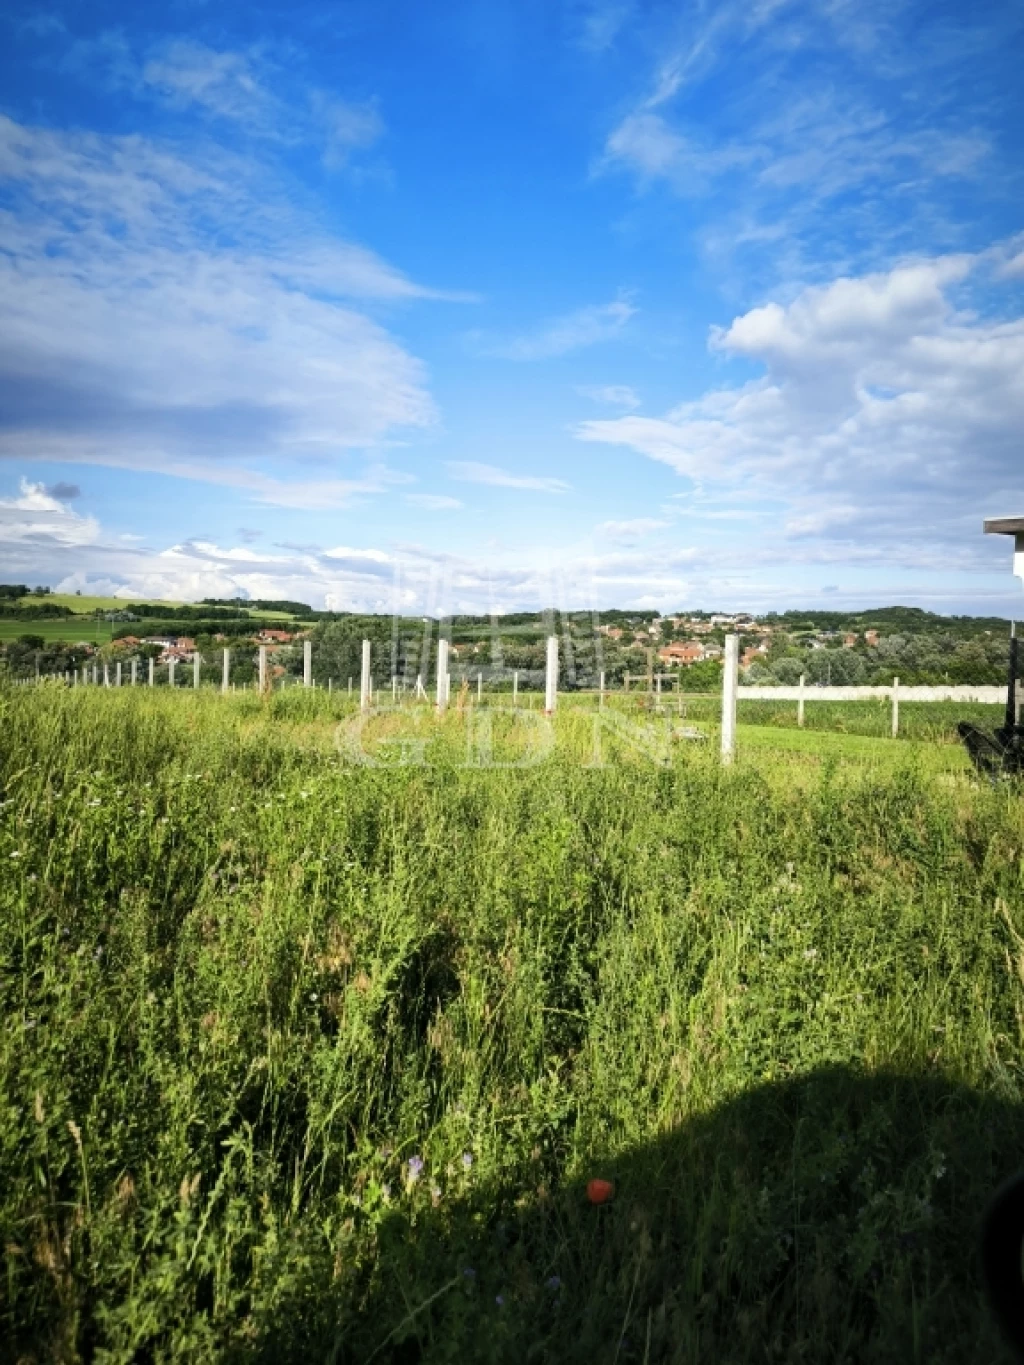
{"type": "Point", "coordinates": [68, 628]}
{"type": "Point", "coordinates": [90, 604]}
{"type": "Point", "coordinates": [314, 1031]}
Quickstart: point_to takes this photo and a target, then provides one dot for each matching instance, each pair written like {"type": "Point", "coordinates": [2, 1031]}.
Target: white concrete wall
{"type": "Point", "coordinates": [961, 692]}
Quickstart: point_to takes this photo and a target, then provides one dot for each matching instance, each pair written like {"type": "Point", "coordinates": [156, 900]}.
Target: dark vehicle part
{"type": "Point", "coordinates": [1002, 1238]}
{"type": "Point", "coordinates": [999, 753]}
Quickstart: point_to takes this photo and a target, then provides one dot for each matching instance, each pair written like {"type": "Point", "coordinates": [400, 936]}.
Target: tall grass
{"type": "Point", "coordinates": [305, 1059]}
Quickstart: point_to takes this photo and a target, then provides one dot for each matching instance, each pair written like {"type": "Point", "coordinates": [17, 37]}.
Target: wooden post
{"type": "Point", "coordinates": [551, 677]}
{"type": "Point", "coordinates": [730, 684]}
{"type": "Point", "coordinates": [264, 676]}
{"type": "Point", "coordinates": [600, 692]}
{"type": "Point", "coordinates": [152, 671]}
{"type": "Point", "coordinates": [895, 707]}
{"type": "Point", "coordinates": [225, 672]}
{"type": "Point", "coordinates": [307, 663]}
{"type": "Point", "coordinates": [442, 675]}
{"type": "Point", "coordinates": [117, 674]}
{"type": "Point", "coordinates": [197, 663]}
{"type": "Point", "coordinates": [800, 702]}
{"type": "Point", "coordinates": [365, 682]}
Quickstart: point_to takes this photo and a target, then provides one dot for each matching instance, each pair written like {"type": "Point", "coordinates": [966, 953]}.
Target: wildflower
{"type": "Point", "coordinates": [415, 1168]}
{"type": "Point", "coordinates": [467, 1160]}
{"type": "Point", "coordinates": [97, 802]}
{"type": "Point", "coordinates": [499, 1299]}
{"type": "Point", "coordinates": [600, 1191]}
{"type": "Point", "coordinates": [16, 853]}
{"type": "Point", "coordinates": [312, 996]}
{"type": "Point", "coordinates": [469, 1273]}
{"type": "Point", "coordinates": [435, 1195]}
{"type": "Point", "coordinates": [553, 1282]}
{"type": "Point", "coordinates": [810, 954]}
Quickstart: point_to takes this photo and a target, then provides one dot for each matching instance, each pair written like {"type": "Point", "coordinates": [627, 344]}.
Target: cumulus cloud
{"type": "Point", "coordinates": [471, 471]}
{"type": "Point", "coordinates": [885, 413]}
{"type": "Point", "coordinates": [37, 517]}
{"type": "Point", "coordinates": [163, 309]}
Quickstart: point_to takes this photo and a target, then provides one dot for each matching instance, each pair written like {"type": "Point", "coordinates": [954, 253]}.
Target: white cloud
{"type": "Point", "coordinates": [615, 395]}
{"type": "Point", "coordinates": [37, 518]}
{"type": "Point", "coordinates": [884, 414]}
{"type": "Point", "coordinates": [630, 530]}
{"type": "Point", "coordinates": [470, 471]}
{"type": "Point", "coordinates": [433, 502]}
{"type": "Point", "coordinates": [559, 336]}
{"type": "Point", "coordinates": [166, 309]}
{"type": "Point", "coordinates": [223, 83]}
{"type": "Point", "coordinates": [817, 131]}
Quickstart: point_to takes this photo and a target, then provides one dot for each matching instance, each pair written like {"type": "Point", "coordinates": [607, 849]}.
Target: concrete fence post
{"type": "Point", "coordinates": [264, 675]}
{"type": "Point", "coordinates": [365, 682]}
{"type": "Point", "coordinates": [800, 702]}
{"type": "Point", "coordinates": [479, 686]}
{"type": "Point", "coordinates": [600, 692]}
{"type": "Point", "coordinates": [307, 663]}
{"type": "Point", "coordinates": [95, 675]}
{"type": "Point", "coordinates": [197, 664]}
{"type": "Point", "coordinates": [730, 686]}
{"type": "Point", "coordinates": [515, 688]}
{"type": "Point", "coordinates": [152, 671]}
{"type": "Point", "coordinates": [171, 666]}
{"type": "Point", "coordinates": [225, 672]}
{"type": "Point", "coordinates": [106, 675]}
{"type": "Point", "coordinates": [895, 707]}
{"type": "Point", "coordinates": [551, 676]}
{"type": "Point", "coordinates": [442, 675]}
{"type": "Point", "coordinates": [135, 672]}
{"type": "Point", "coordinates": [117, 674]}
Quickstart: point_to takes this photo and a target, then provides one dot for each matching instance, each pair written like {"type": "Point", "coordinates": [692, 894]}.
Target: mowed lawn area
{"type": "Point", "coordinates": [316, 1028]}
{"type": "Point", "coordinates": [72, 629]}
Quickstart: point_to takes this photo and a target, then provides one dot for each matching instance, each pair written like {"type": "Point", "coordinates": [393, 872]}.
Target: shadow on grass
{"type": "Point", "coordinates": [831, 1218]}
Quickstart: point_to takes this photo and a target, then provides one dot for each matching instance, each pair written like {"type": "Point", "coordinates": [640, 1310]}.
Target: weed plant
{"type": "Point", "coordinates": [305, 1059]}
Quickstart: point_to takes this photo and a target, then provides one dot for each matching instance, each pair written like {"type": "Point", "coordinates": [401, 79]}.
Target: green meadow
{"type": "Point", "coordinates": [316, 1027]}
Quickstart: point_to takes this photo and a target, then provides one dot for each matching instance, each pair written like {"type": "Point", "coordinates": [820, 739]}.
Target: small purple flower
{"type": "Point", "coordinates": [467, 1160]}
{"type": "Point", "coordinates": [499, 1299]}
{"type": "Point", "coordinates": [469, 1273]}
{"type": "Point", "coordinates": [415, 1168]}
{"type": "Point", "coordinates": [553, 1282]}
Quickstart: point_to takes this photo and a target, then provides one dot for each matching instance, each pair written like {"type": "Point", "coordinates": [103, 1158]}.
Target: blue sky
{"type": "Point", "coordinates": [490, 305]}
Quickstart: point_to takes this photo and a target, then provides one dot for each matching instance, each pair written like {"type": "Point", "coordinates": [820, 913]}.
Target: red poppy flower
{"type": "Point", "coordinates": [600, 1191]}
